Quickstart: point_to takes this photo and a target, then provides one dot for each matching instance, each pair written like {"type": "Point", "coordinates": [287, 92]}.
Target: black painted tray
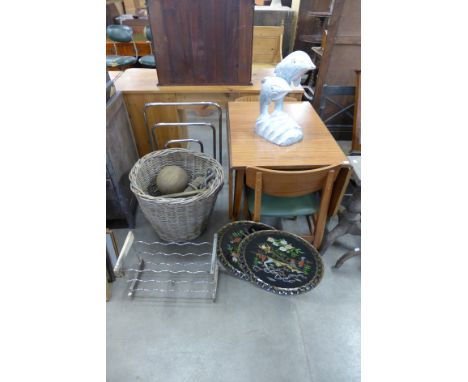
{"type": "Point", "coordinates": [229, 239]}
{"type": "Point", "coordinates": [281, 262]}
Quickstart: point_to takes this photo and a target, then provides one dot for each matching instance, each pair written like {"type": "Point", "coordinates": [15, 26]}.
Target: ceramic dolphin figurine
{"type": "Point", "coordinates": [273, 89]}
{"type": "Point", "coordinates": [293, 66]}
{"type": "Point", "coordinates": [278, 127]}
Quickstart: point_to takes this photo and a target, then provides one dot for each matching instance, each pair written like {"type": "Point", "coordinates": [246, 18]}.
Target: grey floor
{"type": "Point", "coordinates": [248, 334]}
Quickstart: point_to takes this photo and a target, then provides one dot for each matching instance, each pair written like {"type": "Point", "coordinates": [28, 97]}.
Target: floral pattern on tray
{"type": "Point", "coordinates": [281, 262]}
{"type": "Point", "coordinates": [229, 240]}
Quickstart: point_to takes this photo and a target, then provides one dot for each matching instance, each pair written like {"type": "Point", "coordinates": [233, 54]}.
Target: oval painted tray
{"type": "Point", "coordinates": [281, 262]}
{"type": "Point", "coordinates": [229, 239]}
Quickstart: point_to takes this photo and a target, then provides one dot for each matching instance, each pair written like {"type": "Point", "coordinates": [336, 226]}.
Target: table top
{"type": "Point", "coordinates": [138, 80]}
{"type": "Point", "coordinates": [246, 148]}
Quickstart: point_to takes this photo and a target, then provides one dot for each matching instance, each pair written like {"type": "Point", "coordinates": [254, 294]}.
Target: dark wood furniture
{"type": "Point", "coordinates": [312, 20]}
{"type": "Point", "coordinates": [247, 149]}
{"type": "Point", "coordinates": [201, 42]}
{"type": "Point", "coordinates": [121, 155]}
{"type": "Point", "coordinates": [336, 111]}
{"type": "Point", "coordinates": [342, 54]}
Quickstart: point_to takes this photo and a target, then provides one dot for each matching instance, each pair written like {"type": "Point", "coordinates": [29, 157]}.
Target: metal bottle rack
{"type": "Point", "coordinates": [185, 270]}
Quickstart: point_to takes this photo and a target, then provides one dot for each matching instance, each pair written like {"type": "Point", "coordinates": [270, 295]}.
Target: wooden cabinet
{"type": "Point", "coordinates": [200, 42]}
{"type": "Point", "coordinates": [121, 155]}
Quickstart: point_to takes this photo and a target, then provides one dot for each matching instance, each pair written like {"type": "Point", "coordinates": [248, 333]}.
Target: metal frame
{"type": "Point", "coordinates": [162, 124]}
{"type": "Point", "coordinates": [170, 142]}
{"type": "Point", "coordinates": [202, 103]}
{"type": "Point", "coordinates": [137, 272]}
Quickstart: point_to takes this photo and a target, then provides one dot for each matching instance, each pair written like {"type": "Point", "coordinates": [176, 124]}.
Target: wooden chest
{"type": "Point", "coordinates": [202, 42]}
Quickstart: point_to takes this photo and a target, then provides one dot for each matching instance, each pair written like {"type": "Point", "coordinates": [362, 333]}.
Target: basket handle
{"type": "Point", "coordinates": [184, 140]}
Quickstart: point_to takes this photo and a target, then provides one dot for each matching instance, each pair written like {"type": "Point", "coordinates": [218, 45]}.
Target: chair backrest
{"type": "Point", "coordinates": [289, 183]}
{"type": "Point", "coordinates": [267, 45]}
{"type": "Point", "coordinates": [294, 183]}
{"type": "Point", "coordinates": [256, 98]}
{"type": "Point", "coordinates": [120, 33]}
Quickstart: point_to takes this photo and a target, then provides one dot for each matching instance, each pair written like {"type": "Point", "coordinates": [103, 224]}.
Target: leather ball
{"type": "Point", "coordinates": [172, 179]}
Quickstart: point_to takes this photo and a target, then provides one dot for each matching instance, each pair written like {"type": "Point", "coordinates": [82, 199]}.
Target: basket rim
{"type": "Point", "coordinates": [214, 187]}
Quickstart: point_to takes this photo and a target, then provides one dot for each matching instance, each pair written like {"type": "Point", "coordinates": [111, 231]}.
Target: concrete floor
{"type": "Point", "coordinates": [248, 334]}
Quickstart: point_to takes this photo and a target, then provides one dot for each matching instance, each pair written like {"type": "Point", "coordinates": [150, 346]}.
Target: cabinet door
{"type": "Point", "coordinates": [200, 42]}
{"type": "Point", "coordinates": [121, 150]}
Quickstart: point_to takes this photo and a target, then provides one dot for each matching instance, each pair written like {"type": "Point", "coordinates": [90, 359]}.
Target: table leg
{"type": "Point", "coordinates": [239, 189]}
{"type": "Point", "coordinates": [339, 188]}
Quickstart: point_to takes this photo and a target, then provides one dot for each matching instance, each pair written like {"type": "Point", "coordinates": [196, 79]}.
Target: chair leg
{"type": "Point", "coordinates": [318, 236]}
{"type": "Point", "coordinates": [311, 225]}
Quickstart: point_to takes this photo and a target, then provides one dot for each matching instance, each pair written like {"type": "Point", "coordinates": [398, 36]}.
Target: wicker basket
{"type": "Point", "coordinates": [176, 219]}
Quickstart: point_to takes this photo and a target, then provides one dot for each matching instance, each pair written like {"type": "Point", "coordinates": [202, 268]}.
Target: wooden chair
{"type": "Point", "coordinates": [256, 98]}
{"type": "Point", "coordinates": [291, 193]}
{"type": "Point", "coordinates": [267, 45]}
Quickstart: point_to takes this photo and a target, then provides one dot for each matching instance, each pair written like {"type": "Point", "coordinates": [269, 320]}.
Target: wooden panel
{"type": "Point", "coordinates": [126, 49]}
{"type": "Point", "coordinates": [266, 16]}
{"type": "Point", "coordinates": [200, 42]}
{"type": "Point", "coordinates": [267, 44]}
{"type": "Point", "coordinates": [138, 80]}
{"type": "Point", "coordinates": [135, 105]}
{"type": "Point", "coordinates": [356, 140]}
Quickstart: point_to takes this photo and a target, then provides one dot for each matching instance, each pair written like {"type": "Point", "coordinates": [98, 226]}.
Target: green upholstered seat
{"type": "Point", "coordinates": [148, 61]}
{"type": "Point", "coordinates": [113, 61]}
{"type": "Point", "coordinates": [148, 33]}
{"type": "Point", "coordinates": [120, 33]}
{"type": "Point", "coordinates": [286, 206]}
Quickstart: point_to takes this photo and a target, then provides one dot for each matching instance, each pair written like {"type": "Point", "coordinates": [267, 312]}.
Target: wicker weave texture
{"type": "Point", "coordinates": [176, 219]}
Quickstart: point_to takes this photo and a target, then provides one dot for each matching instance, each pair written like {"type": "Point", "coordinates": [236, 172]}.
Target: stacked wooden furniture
{"type": "Point", "coordinates": [341, 58]}
{"type": "Point", "coordinates": [317, 149]}
{"type": "Point", "coordinates": [139, 87]}
{"type": "Point", "coordinates": [202, 42]}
